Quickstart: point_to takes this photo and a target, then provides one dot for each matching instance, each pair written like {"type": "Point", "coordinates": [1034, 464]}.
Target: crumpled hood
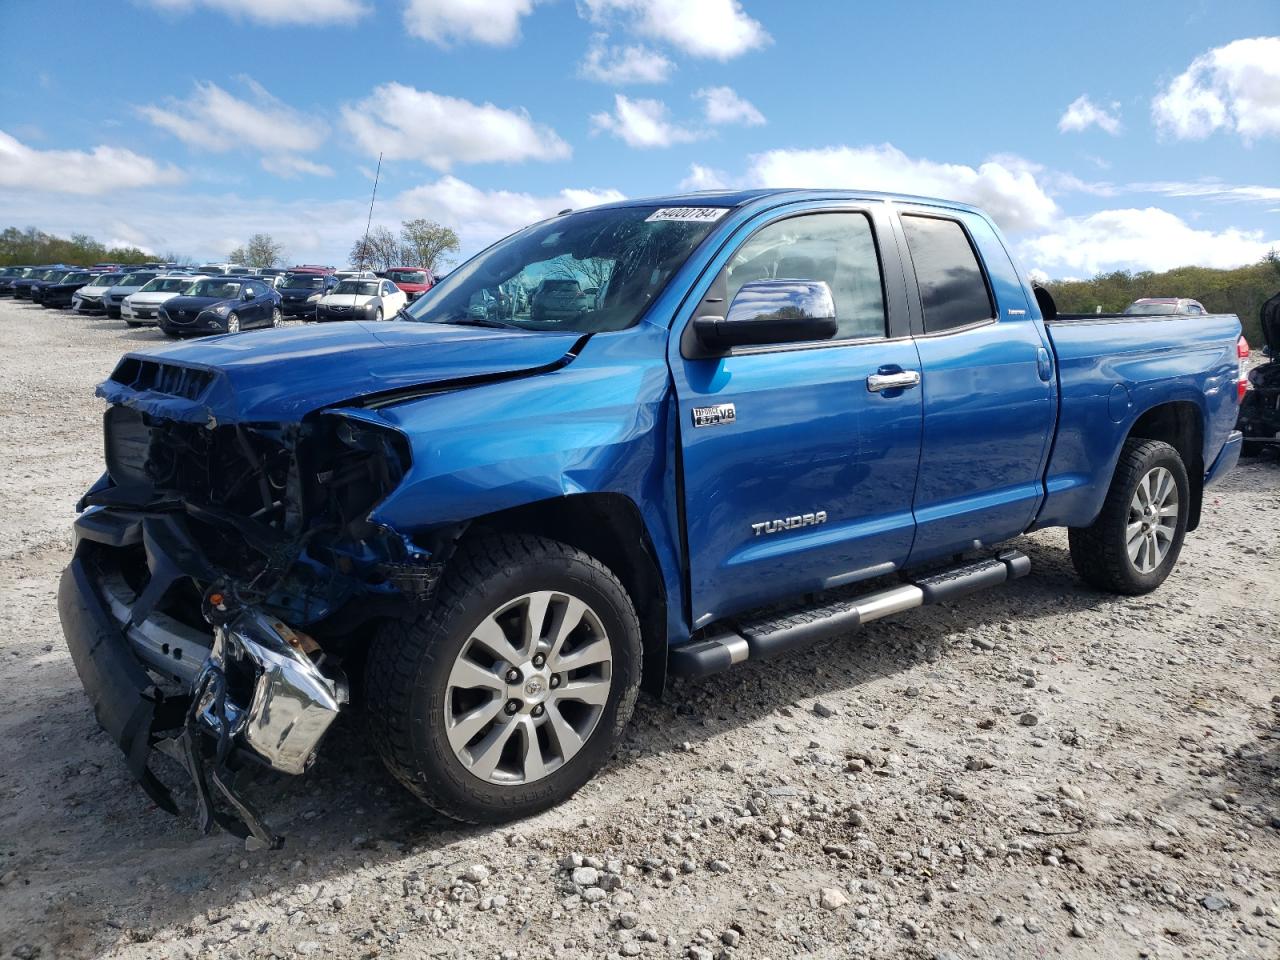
{"type": "Point", "coordinates": [281, 375]}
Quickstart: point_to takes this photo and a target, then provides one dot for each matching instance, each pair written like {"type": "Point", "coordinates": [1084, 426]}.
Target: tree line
{"type": "Point", "coordinates": [1241, 291]}
{"type": "Point", "coordinates": [420, 243]}
{"type": "Point", "coordinates": [32, 246]}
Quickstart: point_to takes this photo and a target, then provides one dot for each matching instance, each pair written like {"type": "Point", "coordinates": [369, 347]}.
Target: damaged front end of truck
{"type": "Point", "coordinates": [222, 573]}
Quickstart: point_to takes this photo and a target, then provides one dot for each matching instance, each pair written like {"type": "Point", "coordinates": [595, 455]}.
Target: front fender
{"type": "Point", "coordinates": [602, 424]}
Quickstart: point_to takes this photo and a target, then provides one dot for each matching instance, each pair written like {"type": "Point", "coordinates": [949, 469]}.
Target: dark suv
{"type": "Point", "coordinates": [301, 290]}
{"type": "Point", "coordinates": [1260, 406]}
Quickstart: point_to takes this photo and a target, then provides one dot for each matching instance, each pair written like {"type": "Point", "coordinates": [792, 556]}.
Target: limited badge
{"type": "Point", "coordinates": [714, 416]}
{"type": "Point", "coordinates": [689, 214]}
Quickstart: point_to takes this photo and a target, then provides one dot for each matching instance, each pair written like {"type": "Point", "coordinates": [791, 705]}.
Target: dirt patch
{"type": "Point", "coordinates": [1036, 770]}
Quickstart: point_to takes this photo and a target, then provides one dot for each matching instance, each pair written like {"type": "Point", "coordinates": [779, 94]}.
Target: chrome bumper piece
{"type": "Point", "coordinates": [293, 703]}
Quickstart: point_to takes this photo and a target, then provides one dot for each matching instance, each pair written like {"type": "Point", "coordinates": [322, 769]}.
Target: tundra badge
{"type": "Point", "coordinates": [790, 523]}
{"type": "Point", "coordinates": [714, 416]}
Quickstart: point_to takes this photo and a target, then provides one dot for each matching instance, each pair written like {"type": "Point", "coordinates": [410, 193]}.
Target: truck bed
{"type": "Point", "coordinates": [1112, 366]}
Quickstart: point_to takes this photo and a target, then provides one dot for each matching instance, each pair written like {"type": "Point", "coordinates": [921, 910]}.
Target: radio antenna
{"type": "Point", "coordinates": [364, 247]}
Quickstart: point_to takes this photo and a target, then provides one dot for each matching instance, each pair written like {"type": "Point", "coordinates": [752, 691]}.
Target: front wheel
{"type": "Point", "coordinates": [1134, 543]}
{"type": "Point", "coordinates": [275, 317]}
{"type": "Point", "coordinates": [233, 324]}
{"type": "Point", "coordinates": [512, 691]}
{"type": "Point", "coordinates": [377, 315]}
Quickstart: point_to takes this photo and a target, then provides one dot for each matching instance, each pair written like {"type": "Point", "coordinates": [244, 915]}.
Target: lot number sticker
{"type": "Point", "coordinates": [689, 214]}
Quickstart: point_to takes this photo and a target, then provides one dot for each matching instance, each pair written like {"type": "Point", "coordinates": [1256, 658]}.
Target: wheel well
{"type": "Point", "coordinates": [609, 527]}
{"type": "Point", "coordinates": [1181, 425]}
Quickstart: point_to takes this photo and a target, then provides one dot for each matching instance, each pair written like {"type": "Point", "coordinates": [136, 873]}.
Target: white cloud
{"type": "Point", "coordinates": [217, 121]}
{"type": "Point", "coordinates": [704, 178]}
{"type": "Point", "coordinates": [642, 123]}
{"type": "Point", "coordinates": [619, 65]}
{"type": "Point", "coordinates": [1082, 113]}
{"type": "Point", "coordinates": [439, 131]}
{"type": "Point", "coordinates": [78, 171]}
{"type": "Point", "coordinates": [275, 12]}
{"type": "Point", "coordinates": [1210, 190]}
{"type": "Point", "coordinates": [1233, 87]}
{"type": "Point", "coordinates": [206, 226]}
{"type": "Point", "coordinates": [482, 216]}
{"type": "Point", "coordinates": [715, 29]}
{"type": "Point", "coordinates": [288, 166]}
{"type": "Point", "coordinates": [494, 22]}
{"type": "Point", "coordinates": [1146, 239]}
{"type": "Point", "coordinates": [1006, 187]}
{"type": "Point", "coordinates": [722, 105]}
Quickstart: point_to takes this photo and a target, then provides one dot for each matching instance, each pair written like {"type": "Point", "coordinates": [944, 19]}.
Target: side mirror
{"type": "Point", "coordinates": [772, 311]}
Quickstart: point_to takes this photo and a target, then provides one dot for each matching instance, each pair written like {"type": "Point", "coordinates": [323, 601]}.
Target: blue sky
{"type": "Point", "coordinates": [1101, 135]}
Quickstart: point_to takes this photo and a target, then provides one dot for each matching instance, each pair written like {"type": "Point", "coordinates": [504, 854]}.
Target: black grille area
{"type": "Point", "coordinates": [168, 378]}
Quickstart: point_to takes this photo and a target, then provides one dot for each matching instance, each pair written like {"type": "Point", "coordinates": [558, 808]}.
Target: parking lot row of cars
{"type": "Point", "coordinates": [216, 297]}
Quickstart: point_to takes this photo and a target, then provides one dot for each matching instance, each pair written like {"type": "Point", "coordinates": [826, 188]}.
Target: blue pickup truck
{"type": "Point", "coordinates": [782, 414]}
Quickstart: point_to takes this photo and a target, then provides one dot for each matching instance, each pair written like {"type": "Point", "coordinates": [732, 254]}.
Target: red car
{"type": "Point", "coordinates": [414, 281]}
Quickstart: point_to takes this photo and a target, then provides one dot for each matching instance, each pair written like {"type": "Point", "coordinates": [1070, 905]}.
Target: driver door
{"type": "Point", "coordinates": [798, 470]}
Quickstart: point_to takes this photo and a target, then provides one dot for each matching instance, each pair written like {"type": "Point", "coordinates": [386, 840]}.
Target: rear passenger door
{"type": "Point", "coordinates": [988, 385]}
{"type": "Point", "coordinates": [807, 484]}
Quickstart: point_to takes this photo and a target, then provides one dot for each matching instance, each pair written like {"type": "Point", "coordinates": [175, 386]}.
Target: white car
{"type": "Point", "coordinates": [88, 299]}
{"type": "Point", "coordinates": [362, 300]}
{"type": "Point", "coordinates": [355, 275]}
{"type": "Point", "coordinates": [143, 308]}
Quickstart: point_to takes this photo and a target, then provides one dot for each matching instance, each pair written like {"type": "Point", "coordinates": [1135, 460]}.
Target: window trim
{"type": "Point", "coordinates": [861, 211]}
{"type": "Point", "coordinates": [915, 276]}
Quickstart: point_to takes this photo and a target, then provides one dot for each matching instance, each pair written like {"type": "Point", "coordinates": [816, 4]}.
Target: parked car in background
{"type": "Point", "coordinates": [361, 300]}
{"type": "Point", "coordinates": [414, 281]}
{"type": "Point", "coordinates": [37, 289]}
{"type": "Point", "coordinates": [130, 283]}
{"type": "Point", "coordinates": [1166, 306]}
{"type": "Point", "coordinates": [223, 269]}
{"type": "Point", "coordinates": [301, 290]}
{"type": "Point", "coordinates": [557, 300]}
{"type": "Point", "coordinates": [7, 277]}
{"type": "Point", "coordinates": [89, 298]}
{"type": "Point", "coordinates": [143, 308]}
{"type": "Point", "coordinates": [223, 304]}
{"type": "Point", "coordinates": [1260, 407]}
{"type": "Point", "coordinates": [356, 275]}
{"type": "Point", "coordinates": [58, 293]}
{"type": "Point", "coordinates": [22, 286]}
{"type": "Point", "coordinates": [271, 274]}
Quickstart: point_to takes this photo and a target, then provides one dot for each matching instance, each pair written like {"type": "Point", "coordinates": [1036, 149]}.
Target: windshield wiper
{"type": "Point", "coordinates": [481, 322]}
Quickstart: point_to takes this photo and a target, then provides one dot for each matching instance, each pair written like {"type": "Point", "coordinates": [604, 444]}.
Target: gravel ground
{"type": "Point", "coordinates": [1036, 770]}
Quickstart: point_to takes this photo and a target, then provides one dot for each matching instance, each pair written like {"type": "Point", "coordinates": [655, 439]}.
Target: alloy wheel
{"type": "Point", "coordinates": [1153, 519]}
{"type": "Point", "coordinates": [528, 688]}
{"type": "Point", "coordinates": [233, 324]}
{"type": "Point", "coordinates": [275, 317]}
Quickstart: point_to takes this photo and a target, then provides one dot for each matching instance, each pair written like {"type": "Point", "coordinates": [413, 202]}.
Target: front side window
{"type": "Point", "coordinates": [838, 248]}
{"type": "Point", "coordinates": [953, 289]}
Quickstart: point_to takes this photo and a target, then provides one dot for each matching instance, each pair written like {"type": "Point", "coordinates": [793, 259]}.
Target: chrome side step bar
{"type": "Point", "coordinates": [732, 642]}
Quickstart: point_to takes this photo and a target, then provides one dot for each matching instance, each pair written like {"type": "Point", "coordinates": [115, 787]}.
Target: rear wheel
{"type": "Point", "coordinates": [513, 690]}
{"type": "Point", "coordinates": [1134, 543]}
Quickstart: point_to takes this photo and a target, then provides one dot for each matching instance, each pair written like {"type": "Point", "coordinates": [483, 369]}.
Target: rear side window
{"type": "Point", "coordinates": [953, 290]}
{"type": "Point", "coordinates": [838, 248]}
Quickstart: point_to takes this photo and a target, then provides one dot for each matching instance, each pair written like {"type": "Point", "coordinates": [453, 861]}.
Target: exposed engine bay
{"type": "Point", "coordinates": [239, 562]}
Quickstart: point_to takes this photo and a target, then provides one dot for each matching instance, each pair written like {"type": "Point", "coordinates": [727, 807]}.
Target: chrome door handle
{"type": "Point", "coordinates": [893, 381]}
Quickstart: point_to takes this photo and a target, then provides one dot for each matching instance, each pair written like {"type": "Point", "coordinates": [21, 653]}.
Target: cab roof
{"type": "Point", "coordinates": [741, 198]}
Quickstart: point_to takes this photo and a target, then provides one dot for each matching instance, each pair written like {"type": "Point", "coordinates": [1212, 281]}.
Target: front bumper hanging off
{"type": "Point", "coordinates": [251, 688]}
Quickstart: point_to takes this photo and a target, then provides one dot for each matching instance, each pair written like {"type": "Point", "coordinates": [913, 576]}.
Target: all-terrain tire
{"type": "Point", "coordinates": [406, 675]}
{"type": "Point", "coordinates": [1099, 552]}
